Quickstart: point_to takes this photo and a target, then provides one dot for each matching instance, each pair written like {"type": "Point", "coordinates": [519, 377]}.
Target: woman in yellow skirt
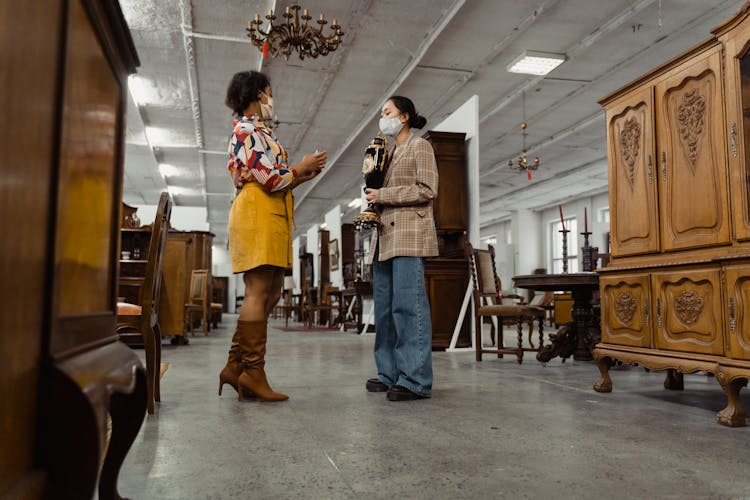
{"type": "Point", "coordinates": [260, 226]}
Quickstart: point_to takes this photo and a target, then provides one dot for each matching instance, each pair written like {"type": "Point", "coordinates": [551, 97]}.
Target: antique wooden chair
{"type": "Point", "coordinates": [323, 304]}
{"type": "Point", "coordinates": [198, 301]}
{"type": "Point", "coordinates": [483, 275]}
{"type": "Point", "coordinates": [140, 323]}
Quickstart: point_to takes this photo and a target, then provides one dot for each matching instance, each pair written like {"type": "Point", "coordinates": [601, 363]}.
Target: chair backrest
{"type": "Point", "coordinates": [482, 264]}
{"type": "Point", "coordinates": [151, 289]}
{"type": "Point", "coordinates": [198, 285]}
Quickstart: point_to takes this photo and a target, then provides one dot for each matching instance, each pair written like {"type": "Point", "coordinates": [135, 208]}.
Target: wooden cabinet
{"type": "Point", "coordinates": [626, 310]}
{"type": "Point", "coordinates": [447, 276]}
{"type": "Point", "coordinates": [679, 302]}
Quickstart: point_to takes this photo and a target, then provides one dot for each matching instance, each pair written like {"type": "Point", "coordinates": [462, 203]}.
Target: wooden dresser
{"type": "Point", "coordinates": [447, 276]}
{"type": "Point", "coordinates": [676, 294]}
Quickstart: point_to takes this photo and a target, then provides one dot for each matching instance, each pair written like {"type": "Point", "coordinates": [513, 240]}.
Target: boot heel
{"type": "Point", "coordinates": [239, 392]}
{"type": "Point", "coordinates": [221, 384]}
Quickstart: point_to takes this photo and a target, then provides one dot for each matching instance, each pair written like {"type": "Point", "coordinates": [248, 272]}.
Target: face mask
{"type": "Point", "coordinates": [390, 126]}
{"type": "Point", "coordinates": [266, 110]}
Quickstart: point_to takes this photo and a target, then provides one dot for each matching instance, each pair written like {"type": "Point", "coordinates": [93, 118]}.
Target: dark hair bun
{"type": "Point", "coordinates": [244, 89]}
{"type": "Point", "coordinates": [417, 121]}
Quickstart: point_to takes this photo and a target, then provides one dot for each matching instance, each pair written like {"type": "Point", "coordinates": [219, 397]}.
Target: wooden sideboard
{"type": "Point", "coordinates": [676, 294]}
{"type": "Point", "coordinates": [62, 368]}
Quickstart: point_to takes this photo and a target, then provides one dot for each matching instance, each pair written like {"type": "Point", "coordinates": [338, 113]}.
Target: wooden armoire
{"type": "Point", "coordinates": [676, 294]}
{"type": "Point", "coordinates": [447, 275]}
{"type": "Point", "coordinates": [63, 372]}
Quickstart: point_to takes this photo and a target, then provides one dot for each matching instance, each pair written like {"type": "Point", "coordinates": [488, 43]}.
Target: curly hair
{"type": "Point", "coordinates": [405, 105]}
{"type": "Point", "coordinates": [244, 89]}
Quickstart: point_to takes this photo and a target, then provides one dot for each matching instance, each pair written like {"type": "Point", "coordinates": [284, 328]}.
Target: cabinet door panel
{"type": "Point", "coordinates": [688, 311]}
{"type": "Point", "coordinates": [737, 58]}
{"type": "Point", "coordinates": [626, 312]}
{"type": "Point", "coordinates": [693, 198]}
{"type": "Point", "coordinates": [633, 196]}
{"type": "Point", "coordinates": [737, 307]}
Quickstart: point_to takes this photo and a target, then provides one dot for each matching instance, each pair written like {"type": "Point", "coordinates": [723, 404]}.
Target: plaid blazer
{"type": "Point", "coordinates": [405, 203]}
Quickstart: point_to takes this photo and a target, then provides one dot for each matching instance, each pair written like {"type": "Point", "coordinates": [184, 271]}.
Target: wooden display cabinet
{"type": "Point", "coordinates": [679, 302]}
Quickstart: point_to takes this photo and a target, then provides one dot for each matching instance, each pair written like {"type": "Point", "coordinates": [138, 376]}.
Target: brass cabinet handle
{"type": "Point", "coordinates": [664, 166]}
{"type": "Point", "coordinates": [650, 171]}
{"type": "Point", "coordinates": [658, 312]}
{"type": "Point", "coordinates": [732, 318]}
{"type": "Point", "coordinates": [733, 134]}
{"type": "Point", "coordinates": [645, 312]}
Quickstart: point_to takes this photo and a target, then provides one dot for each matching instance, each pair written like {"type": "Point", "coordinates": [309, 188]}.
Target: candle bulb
{"type": "Point", "coordinates": [335, 22]}
{"type": "Point", "coordinates": [257, 18]}
{"type": "Point", "coordinates": [562, 220]}
{"type": "Point", "coordinates": [585, 220]}
{"type": "Point", "coordinates": [270, 12]}
{"type": "Point", "coordinates": [306, 12]}
{"type": "Point", "coordinates": [322, 17]}
{"type": "Point", "coordinates": [286, 10]}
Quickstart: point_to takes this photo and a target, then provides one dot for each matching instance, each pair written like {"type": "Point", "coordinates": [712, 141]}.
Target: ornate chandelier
{"type": "Point", "coordinates": [522, 163]}
{"type": "Point", "coordinates": [292, 34]}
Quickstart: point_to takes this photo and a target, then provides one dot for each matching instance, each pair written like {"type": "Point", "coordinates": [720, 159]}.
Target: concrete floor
{"type": "Point", "coordinates": [492, 430]}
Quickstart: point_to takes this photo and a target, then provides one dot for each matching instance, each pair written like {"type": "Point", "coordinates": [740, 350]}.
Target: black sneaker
{"type": "Point", "coordinates": [375, 385]}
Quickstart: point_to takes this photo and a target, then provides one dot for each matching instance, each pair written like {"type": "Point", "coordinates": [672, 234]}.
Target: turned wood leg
{"type": "Point", "coordinates": [734, 414]}
{"type": "Point", "coordinates": [541, 334]}
{"type": "Point", "coordinates": [500, 335]}
{"type": "Point", "coordinates": [519, 349]}
{"type": "Point", "coordinates": [604, 384]}
{"type": "Point", "coordinates": [127, 412]}
{"type": "Point", "coordinates": [478, 337]}
{"type": "Point", "coordinates": [674, 381]}
{"type": "Point", "coordinates": [531, 333]}
{"type": "Point", "coordinates": [151, 370]}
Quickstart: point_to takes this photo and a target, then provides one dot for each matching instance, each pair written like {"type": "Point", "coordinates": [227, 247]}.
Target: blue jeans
{"type": "Point", "coordinates": [403, 328]}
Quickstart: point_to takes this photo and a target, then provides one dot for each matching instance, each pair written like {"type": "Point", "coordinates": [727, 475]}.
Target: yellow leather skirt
{"type": "Point", "coordinates": [260, 228]}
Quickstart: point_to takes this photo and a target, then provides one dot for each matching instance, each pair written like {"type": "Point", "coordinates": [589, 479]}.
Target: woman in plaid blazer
{"type": "Point", "coordinates": [403, 329]}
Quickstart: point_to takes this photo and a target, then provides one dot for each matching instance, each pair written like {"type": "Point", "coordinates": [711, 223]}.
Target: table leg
{"type": "Point", "coordinates": [582, 316]}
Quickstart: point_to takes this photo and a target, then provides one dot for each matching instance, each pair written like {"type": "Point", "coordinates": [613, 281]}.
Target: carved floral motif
{"type": "Point", "coordinates": [688, 307]}
{"type": "Point", "coordinates": [625, 306]}
{"type": "Point", "coordinates": [691, 120]}
{"type": "Point", "coordinates": [630, 141]}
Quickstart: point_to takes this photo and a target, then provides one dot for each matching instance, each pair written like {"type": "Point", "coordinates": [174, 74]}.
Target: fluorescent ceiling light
{"type": "Point", "coordinates": [167, 170]}
{"type": "Point", "coordinates": [536, 63]}
{"type": "Point", "coordinates": [167, 137]}
{"type": "Point", "coordinates": [177, 190]}
{"type": "Point", "coordinates": [140, 89]}
{"type": "Point", "coordinates": [355, 202]}
{"type": "Point", "coordinates": [324, 225]}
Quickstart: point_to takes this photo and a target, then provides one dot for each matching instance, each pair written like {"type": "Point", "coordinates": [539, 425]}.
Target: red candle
{"type": "Point", "coordinates": [585, 221]}
{"type": "Point", "coordinates": [562, 221]}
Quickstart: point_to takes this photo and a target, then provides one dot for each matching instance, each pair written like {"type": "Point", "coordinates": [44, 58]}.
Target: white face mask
{"type": "Point", "coordinates": [390, 126]}
{"type": "Point", "coordinates": [266, 110]}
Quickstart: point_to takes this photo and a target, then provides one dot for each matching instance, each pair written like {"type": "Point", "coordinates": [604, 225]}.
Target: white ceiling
{"type": "Point", "coordinates": [437, 52]}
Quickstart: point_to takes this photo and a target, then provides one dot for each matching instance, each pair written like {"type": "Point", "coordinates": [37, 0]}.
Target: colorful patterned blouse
{"type": "Point", "coordinates": [256, 155]}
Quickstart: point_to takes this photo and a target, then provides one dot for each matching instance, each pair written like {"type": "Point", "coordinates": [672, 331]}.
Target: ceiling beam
{"type": "Point", "coordinates": [374, 109]}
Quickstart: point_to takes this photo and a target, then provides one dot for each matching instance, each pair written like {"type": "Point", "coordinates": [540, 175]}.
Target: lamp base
{"type": "Point", "coordinates": [367, 219]}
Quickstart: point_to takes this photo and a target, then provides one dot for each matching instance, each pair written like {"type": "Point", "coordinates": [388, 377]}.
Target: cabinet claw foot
{"type": "Point", "coordinates": [604, 384]}
{"type": "Point", "coordinates": [734, 414]}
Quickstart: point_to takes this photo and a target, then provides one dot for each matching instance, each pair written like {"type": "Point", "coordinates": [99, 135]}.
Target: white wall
{"type": "Point", "coordinates": [466, 119]}
{"type": "Point", "coordinates": [529, 249]}
{"type": "Point", "coordinates": [505, 255]}
{"type": "Point", "coordinates": [333, 226]}
{"type": "Point", "coordinates": [313, 243]}
{"type": "Point", "coordinates": [183, 218]}
{"type": "Point", "coordinates": [295, 265]}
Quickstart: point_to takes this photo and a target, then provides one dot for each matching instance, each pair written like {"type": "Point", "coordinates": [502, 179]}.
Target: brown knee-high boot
{"type": "Point", "coordinates": [253, 348]}
{"type": "Point", "coordinates": [231, 371]}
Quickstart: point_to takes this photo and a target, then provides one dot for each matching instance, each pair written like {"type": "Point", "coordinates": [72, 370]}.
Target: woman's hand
{"type": "Point", "coordinates": [371, 195]}
{"type": "Point", "coordinates": [312, 163]}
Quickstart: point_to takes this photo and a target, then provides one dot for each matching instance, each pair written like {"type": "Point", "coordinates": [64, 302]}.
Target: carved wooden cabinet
{"type": "Point", "coordinates": [676, 293]}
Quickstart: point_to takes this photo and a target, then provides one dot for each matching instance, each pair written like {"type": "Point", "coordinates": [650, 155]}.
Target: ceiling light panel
{"type": "Point", "coordinates": [536, 63]}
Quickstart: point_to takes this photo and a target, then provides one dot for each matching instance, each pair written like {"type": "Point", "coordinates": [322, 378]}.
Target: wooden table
{"type": "Point", "coordinates": [578, 338]}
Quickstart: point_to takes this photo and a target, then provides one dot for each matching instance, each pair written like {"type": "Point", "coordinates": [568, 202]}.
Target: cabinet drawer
{"type": "Point", "coordinates": [688, 313]}
{"type": "Point", "coordinates": [626, 310]}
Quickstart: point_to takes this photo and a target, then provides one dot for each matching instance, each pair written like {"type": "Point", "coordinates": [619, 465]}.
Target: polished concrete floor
{"type": "Point", "coordinates": [492, 430]}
